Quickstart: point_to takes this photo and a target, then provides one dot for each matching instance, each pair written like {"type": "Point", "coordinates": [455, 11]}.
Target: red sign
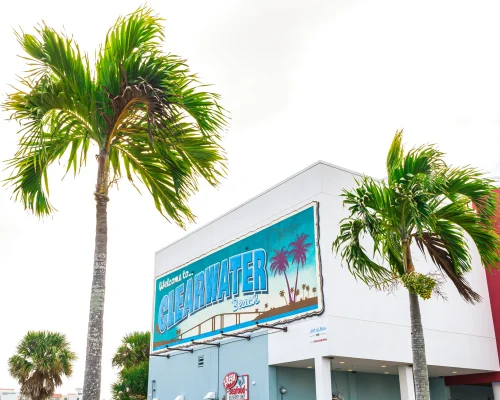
{"type": "Point", "coordinates": [230, 380]}
{"type": "Point", "coordinates": [236, 386]}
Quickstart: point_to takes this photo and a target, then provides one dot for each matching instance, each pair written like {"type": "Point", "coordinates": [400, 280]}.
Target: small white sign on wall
{"type": "Point", "coordinates": [318, 334]}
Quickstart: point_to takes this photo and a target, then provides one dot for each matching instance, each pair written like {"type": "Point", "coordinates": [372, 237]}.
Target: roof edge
{"type": "Point", "coordinates": [319, 162]}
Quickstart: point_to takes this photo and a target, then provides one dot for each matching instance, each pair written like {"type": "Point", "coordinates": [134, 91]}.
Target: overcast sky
{"type": "Point", "coordinates": [303, 81]}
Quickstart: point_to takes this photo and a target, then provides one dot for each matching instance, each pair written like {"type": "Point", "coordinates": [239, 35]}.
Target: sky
{"type": "Point", "coordinates": [302, 80]}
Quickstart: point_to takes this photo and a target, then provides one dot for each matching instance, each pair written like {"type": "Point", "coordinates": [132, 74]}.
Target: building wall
{"type": "Point", "coordinates": [355, 316]}
{"type": "Point", "coordinates": [180, 374]}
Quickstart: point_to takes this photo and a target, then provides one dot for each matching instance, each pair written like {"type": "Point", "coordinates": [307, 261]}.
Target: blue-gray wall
{"type": "Point", "coordinates": [180, 374]}
{"type": "Point", "coordinates": [300, 385]}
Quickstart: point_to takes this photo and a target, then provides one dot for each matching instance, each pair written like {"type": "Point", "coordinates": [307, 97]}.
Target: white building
{"type": "Point", "coordinates": [343, 338]}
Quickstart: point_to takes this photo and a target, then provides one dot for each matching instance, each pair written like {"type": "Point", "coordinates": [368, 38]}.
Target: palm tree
{"type": "Point", "coordinates": [299, 254]}
{"type": "Point", "coordinates": [303, 288]}
{"type": "Point", "coordinates": [308, 288]}
{"type": "Point", "coordinates": [427, 203]}
{"type": "Point", "coordinates": [279, 265]}
{"type": "Point", "coordinates": [178, 332]}
{"type": "Point", "coordinates": [142, 111]}
{"type": "Point", "coordinates": [282, 294]}
{"type": "Point", "coordinates": [132, 359]}
{"type": "Point", "coordinates": [297, 293]}
{"type": "Point", "coordinates": [266, 306]}
{"type": "Point", "coordinates": [314, 291]}
{"type": "Point", "coordinates": [42, 359]}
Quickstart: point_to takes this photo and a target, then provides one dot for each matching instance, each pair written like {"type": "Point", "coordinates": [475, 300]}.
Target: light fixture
{"type": "Point", "coordinates": [210, 396]}
{"type": "Point", "coordinates": [309, 366]}
{"type": "Point", "coordinates": [382, 366]}
{"type": "Point", "coordinates": [454, 372]}
{"type": "Point", "coordinates": [341, 362]}
{"type": "Point", "coordinates": [386, 373]}
{"type": "Point", "coordinates": [349, 370]}
{"type": "Point", "coordinates": [282, 390]}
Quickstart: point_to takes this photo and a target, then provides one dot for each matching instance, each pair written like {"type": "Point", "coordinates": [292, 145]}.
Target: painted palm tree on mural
{"type": "Point", "coordinates": [279, 265]}
{"type": "Point", "coordinates": [303, 289]}
{"type": "Point", "coordinates": [282, 294]}
{"type": "Point", "coordinates": [299, 255]}
{"type": "Point", "coordinates": [308, 288]}
{"type": "Point", "coordinates": [297, 294]}
{"type": "Point", "coordinates": [314, 290]}
{"type": "Point", "coordinates": [140, 110]}
{"type": "Point", "coordinates": [428, 203]}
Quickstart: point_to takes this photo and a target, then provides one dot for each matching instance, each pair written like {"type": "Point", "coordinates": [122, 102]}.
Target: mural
{"type": "Point", "coordinates": [270, 276]}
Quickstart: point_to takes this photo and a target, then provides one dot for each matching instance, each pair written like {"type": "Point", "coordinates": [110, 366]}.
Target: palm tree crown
{"type": "Point", "coordinates": [41, 361]}
{"type": "Point", "coordinates": [139, 107]}
{"type": "Point", "coordinates": [425, 202]}
{"type": "Point", "coordinates": [279, 262]}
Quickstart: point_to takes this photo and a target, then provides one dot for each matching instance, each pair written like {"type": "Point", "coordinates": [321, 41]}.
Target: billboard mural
{"type": "Point", "coordinates": [270, 276]}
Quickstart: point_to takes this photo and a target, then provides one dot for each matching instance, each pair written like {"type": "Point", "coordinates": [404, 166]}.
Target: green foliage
{"type": "Point", "coordinates": [420, 284]}
{"type": "Point", "coordinates": [141, 107]}
{"type": "Point", "coordinates": [425, 202]}
{"type": "Point", "coordinates": [41, 361]}
{"type": "Point", "coordinates": [132, 358]}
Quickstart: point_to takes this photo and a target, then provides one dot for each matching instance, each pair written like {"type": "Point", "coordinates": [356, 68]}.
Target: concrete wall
{"type": "Point", "coordinates": [180, 374]}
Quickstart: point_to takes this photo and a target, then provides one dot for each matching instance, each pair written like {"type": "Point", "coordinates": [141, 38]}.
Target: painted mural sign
{"type": "Point", "coordinates": [271, 275]}
{"type": "Point", "coordinates": [236, 386]}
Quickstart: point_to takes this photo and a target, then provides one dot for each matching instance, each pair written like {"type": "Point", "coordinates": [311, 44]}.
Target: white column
{"type": "Point", "coordinates": [406, 383]}
{"type": "Point", "coordinates": [496, 390]}
{"type": "Point", "coordinates": [323, 377]}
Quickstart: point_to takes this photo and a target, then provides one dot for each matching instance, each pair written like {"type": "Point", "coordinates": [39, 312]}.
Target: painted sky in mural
{"type": "Point", "coordinates": [268, 276]}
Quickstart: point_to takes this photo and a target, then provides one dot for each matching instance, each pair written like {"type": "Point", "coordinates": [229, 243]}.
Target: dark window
{"type": "Point", "coordinates": [201, 361]}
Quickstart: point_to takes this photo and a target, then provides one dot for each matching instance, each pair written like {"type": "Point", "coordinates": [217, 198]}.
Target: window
{"type": "Point", "coordinates": [201, 361]}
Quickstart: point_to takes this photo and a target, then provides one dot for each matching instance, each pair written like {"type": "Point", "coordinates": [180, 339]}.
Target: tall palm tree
{"type": "Point", "coordinates": [308, 288]}
{"type": "Point", "coordinates": [314, 291]}
{"type": "Point", "coordinates": [427, 203]}
{"type": "Point", "coordinates": [42, 359]}
{"type": "Point", "coordinates": [279, 265]}
{"type": "Point", "coordinates": [299, 254]}
{"type": "Point", "coordinates": [132, 359]}
{"type": "Point", "coordinates": [144, 114]}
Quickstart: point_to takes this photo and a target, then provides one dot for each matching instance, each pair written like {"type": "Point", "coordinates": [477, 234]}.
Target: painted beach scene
{"type": "Point", "coordinates": [271, 275]}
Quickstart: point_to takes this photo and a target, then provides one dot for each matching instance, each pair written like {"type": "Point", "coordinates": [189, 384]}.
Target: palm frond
{"type": "Point", "coordinates": [471, 184]}
{"type": "Point", "coordinates": [354, 255]}
{"type": "Point", "coordinates": [447, 256]}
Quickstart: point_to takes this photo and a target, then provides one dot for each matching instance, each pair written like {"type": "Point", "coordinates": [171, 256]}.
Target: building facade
{"type": "Point", "coordinates": [255, 305]}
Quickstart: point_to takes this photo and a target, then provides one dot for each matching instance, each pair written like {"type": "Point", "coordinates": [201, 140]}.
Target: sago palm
{"type": "Point", "coordinates": [139, 112]}
{"type": "Point", "coordinates": [41, 361]}
{"type": "Point", "coordinates": [429, 204]}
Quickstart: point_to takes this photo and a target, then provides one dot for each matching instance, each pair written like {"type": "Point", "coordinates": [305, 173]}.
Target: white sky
{"type": "Point", "coordinates": [303, 80]}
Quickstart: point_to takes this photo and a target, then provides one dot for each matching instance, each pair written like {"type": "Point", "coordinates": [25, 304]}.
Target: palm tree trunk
{"type": "Point", "coordinates": [92, 379]}
{"type": "Point", "coordinates": [420, 374]}
{"type": "Point", "coordinates": [296, 283]}
{"type": "Point", "coordinates": [288, 286]}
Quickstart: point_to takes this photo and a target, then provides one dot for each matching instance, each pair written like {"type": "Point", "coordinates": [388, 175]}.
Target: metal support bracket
{"type": "Point", "coordinates": [205, 344]}
{"type": "Point", "coordinates": [247, 337]}
{"type": "Point", "coordinates": [284, 329]}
